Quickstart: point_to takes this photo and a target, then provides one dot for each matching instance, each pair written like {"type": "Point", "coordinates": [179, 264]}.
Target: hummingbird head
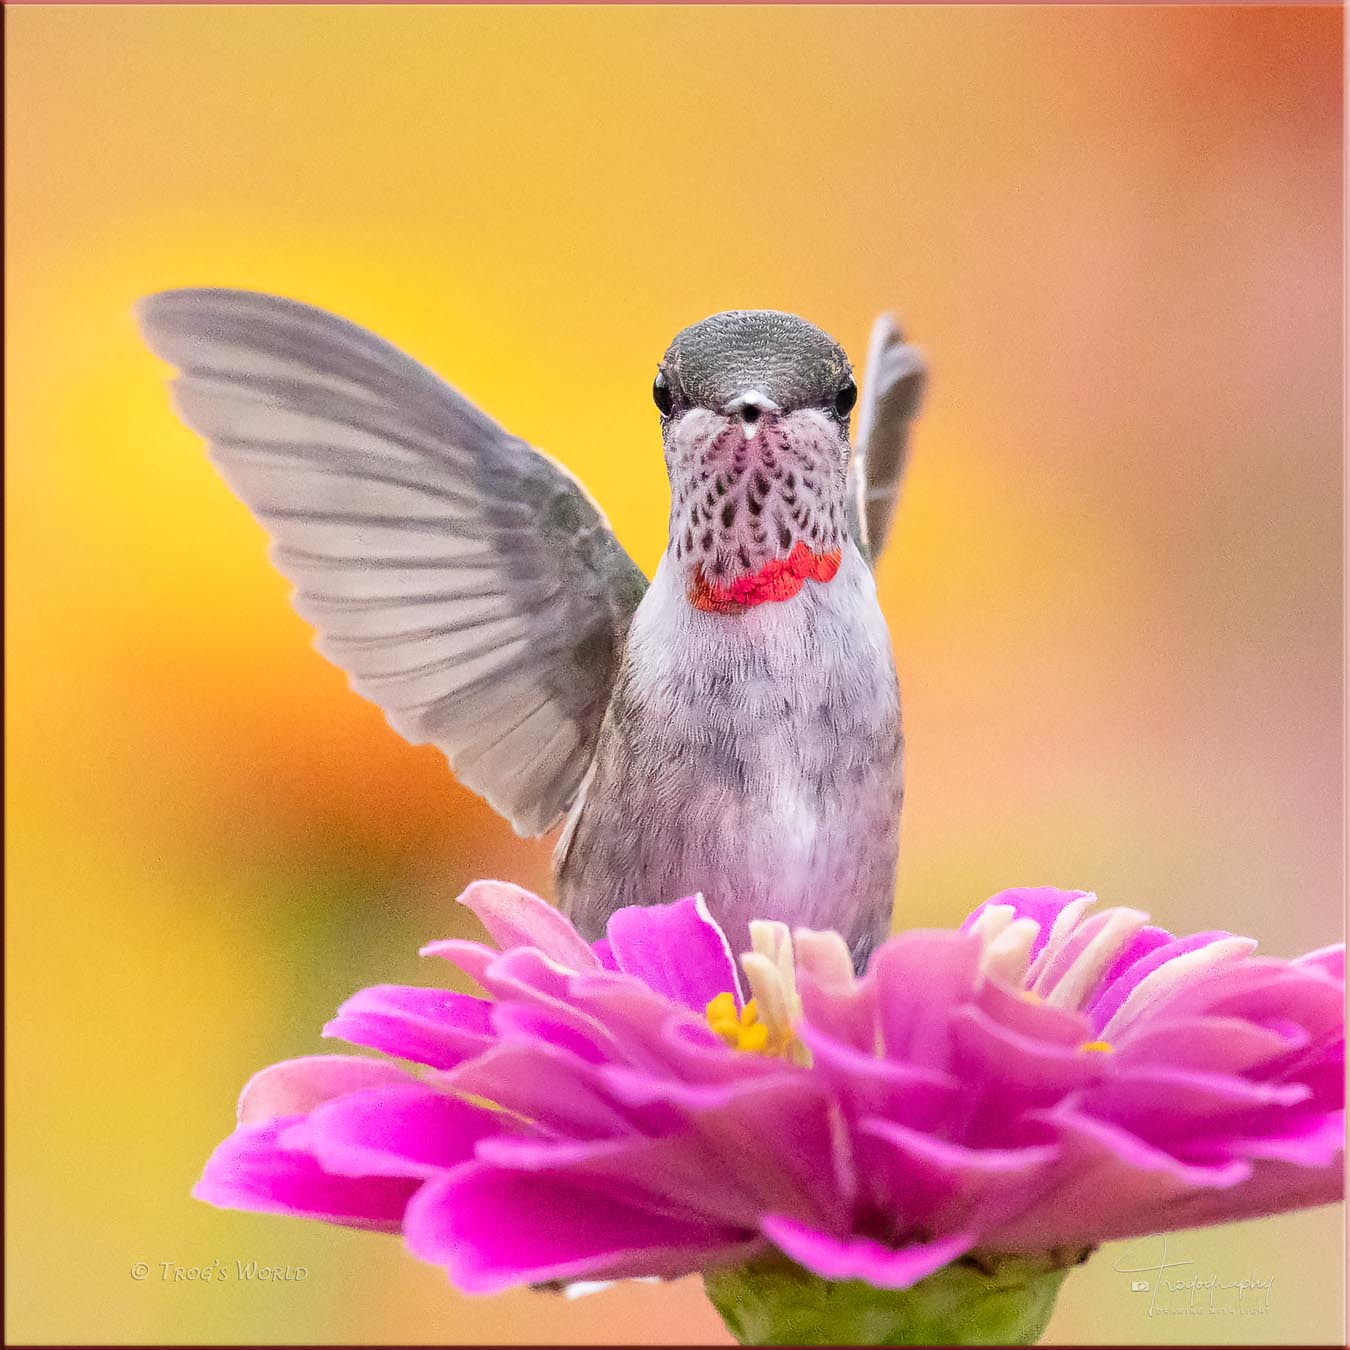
{"type": "Point", "coordinates": [755, 411]}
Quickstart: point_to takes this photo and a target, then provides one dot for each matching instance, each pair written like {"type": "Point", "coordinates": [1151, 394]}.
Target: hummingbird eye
{"type": "Point", "coordinates": [662, 394]}
{"type": "Point", "coordinates": [845, 399]}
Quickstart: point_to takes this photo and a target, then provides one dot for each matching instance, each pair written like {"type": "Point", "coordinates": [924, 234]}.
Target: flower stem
{"type": "Point", "coordinates": [981, 1300]}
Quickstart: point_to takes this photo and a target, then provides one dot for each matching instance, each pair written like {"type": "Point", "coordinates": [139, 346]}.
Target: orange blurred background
{"type": "Point", "coordinates": [1114, 589]}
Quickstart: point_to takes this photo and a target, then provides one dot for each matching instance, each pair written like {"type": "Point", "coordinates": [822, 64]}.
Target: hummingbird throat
{"type": "Point", "coordinates": [777, 579]}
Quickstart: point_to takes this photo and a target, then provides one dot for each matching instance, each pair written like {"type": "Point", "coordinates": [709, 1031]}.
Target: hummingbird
{"type": "Point", "coordinates": [731, 728]}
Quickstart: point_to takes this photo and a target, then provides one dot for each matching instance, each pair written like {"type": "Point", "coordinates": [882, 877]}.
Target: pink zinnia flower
{"type": "Point", "coordinates": [1041, 1080]}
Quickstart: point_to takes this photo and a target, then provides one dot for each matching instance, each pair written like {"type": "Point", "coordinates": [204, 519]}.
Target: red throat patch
{"type": "Point", "coordinates": [778, 579]}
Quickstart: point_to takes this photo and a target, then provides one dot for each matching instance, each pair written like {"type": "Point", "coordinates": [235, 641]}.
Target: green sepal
{"type": "Point", "coordinates": [984, 1299]}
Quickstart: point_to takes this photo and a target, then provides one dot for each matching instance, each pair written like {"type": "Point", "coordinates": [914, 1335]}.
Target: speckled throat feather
{"type": "Point", "coordinates": [754, 516]}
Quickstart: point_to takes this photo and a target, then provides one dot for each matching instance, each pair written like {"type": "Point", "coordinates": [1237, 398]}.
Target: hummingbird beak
{"type": "Point", "coordinates": [748, 405]}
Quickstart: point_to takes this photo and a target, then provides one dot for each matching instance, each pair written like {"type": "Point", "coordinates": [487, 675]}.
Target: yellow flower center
{"type": "Point", "coordinates": [1098, 1047]}
{"type": "Point", "coordinates": [744, 1030]}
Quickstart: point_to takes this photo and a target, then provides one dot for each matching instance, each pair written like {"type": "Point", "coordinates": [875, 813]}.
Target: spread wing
{"type": "Point", "coordinates": [466, 583]}
{"type": "Point", "coordinates": [893, 389]}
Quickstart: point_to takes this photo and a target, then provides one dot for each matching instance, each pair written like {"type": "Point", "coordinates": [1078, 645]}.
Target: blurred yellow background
{"type": "Point", "coordinates": [1114, 589]}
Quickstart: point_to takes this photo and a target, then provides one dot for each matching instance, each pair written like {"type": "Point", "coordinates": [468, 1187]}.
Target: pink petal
{"type": "Point", "coordinates": [515, 918]}
{"type": "Point", "coordinates": [1041, 904]}
{"type": "Point", "coordinates": [493, 1228]}
{"type": "Point", "coordinates": [1273, 1188]}
{"type": "Point", "coordinates": [555, 1091]}
{"type": "Point", "coordinates": [1015, 1012]}
{"type": "Point", "coordinates": [1329, 960]}
{"type": "Point", "coordinates": [846, 1012]}
{"type": "Point", "coordinates": [405, 1131]}
{"type": "Point", "coordinates": [824, 956]}
{"type": "Point", "coordinates": [856, 1258]}
{"type": "Point", "coordinates": [1209, 1044]}
{"type": "Point", "coordinates": [604, 953]}
{"type": "Point", "coordinates": [658, 1034]}
{"type": "Point", "coordinates": [1266, 989]}
{"type": "Point", "coordinates": [296, 1086]}
{"type": "Point", "coordinates": [429, 1026]}
{"type": "Point", "coordinates": [989, 1053]}
{"type": "Point", "coordinates": [1108, 1184]}
{"type": "Point", "coordinates": [1174, 983]}
{"type": "Point", "coordinates": [710, 1166]}
{"type": "Point", "coordinates": [920, 977]}
{"type": "Point", "coordinates": [669, 1175]}
{"type": "Point", "coordinates": [1148, 939]}
{"type": "Point", "coordinates": [538, 997]}
{"type": "Point", "coordinates": [473, 958]}
{"type": "Point", "coordinates": [528, 1024]}
{"type": "Point", "coordinates": [1070, 977]}
{"type": "Point", "coordinates": [677, 950]}
{"type": "Point", "coordinates": [1161, 1102]}
{"type": "Point", "coordinates": [1118, 987]}
{"type": "Point", "coordinates": [941, 1186]}
{"type": "Point", "coordinates": [870, 1086]}
{"type": "Point", "coordinates": [1306, 1139]}
{"type": "Point", "coordinates": [1061, 932]}
{"type": "Point", "coordinates": [252, 1170]}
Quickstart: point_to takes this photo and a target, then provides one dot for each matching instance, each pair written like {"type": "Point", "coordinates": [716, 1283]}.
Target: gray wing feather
{"type": "Point", "coordinates": [466, 583]}
{"type": "Point", "coordinates": [893, 390]}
